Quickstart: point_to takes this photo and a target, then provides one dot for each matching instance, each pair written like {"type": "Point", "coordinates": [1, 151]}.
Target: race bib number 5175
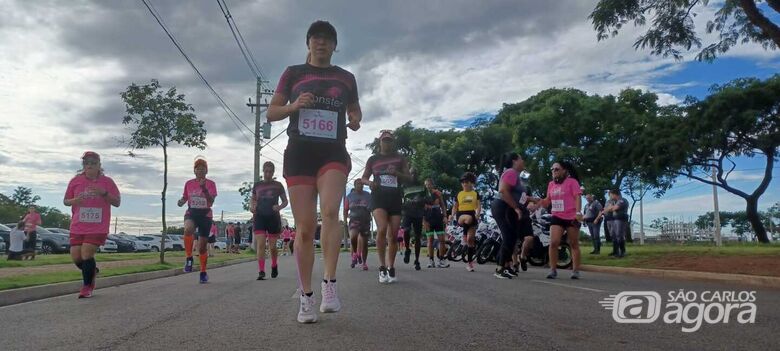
{"type": "Point", "coordinates": [90, 215]}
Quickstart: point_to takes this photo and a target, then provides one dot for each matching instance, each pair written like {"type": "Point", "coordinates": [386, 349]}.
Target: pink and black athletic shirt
{"type": "Point", "coordinates": [267, 194]}
{"type": "Point", "coordinates": [266, 220]}
{"type": "Point", "coordinates": [197, 204]}
{"type": "Point", "coordinates": [387, 193]}
{"type": "Point", "coordinates": [318, 133]}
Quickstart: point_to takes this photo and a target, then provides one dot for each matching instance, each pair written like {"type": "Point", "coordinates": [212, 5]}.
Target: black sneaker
{"type": "Point", "coordinates": [261, 276]}
{"type": "Point", "coordinates": [407, 253]}
{"type": "Point", "coordinates": [524, 264]}
{"type": "Point", "coordinates": [502, 274]}
{"type": "Point", "coordinates": [416, 265]}
{"type": "Point", "coordinates": [274, 272]}
{"type": "Point", "coordinates": [511, 272]}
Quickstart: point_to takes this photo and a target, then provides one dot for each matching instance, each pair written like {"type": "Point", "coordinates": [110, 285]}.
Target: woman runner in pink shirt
{"type": "Point", "coordinates": [90, 195]}
{"type": "Point", "coordinates": [199, 194]}
{"type": "Point", "coordinates": [565, 197]}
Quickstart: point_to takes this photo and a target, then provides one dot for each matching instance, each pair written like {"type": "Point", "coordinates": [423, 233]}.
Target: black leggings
{"type": "Point", "coordinates": [509, 224]}
{"type": "Point", "coordinates": [416, 224]}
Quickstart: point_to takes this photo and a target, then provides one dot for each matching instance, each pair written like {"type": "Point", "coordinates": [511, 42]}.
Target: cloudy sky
{"type": "Point", "coordinates": [437, 63]}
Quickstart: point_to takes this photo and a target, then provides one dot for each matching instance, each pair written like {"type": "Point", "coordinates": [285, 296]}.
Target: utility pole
{"type": "Point", "coordinates": [116, 221]}
{"type": "Point", "coordinates": [641, 214]}
{"type": "Point", "coordinates": [266, 127]}
{"type": "Point", "coordinates": [716, 214]}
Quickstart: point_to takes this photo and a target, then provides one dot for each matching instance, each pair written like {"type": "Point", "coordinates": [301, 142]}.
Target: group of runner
{"type": "Point", "coordinates": [321, 102]}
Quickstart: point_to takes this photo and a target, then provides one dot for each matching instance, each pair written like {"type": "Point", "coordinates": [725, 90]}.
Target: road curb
{"type": "Point", "coordinates": [32, 293]}
{"type": "Point", "coordinates": [754, 280]}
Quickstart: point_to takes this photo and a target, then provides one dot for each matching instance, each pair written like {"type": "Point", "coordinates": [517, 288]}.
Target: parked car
{"type": "Point", "coordinates": [122, 244]}
{"type": "Point", "coordinates": [109, 246]}
{"type": "Point", "coordinates": [59, 230]}
{"type": "Point", "coordinates": [245, 244]}
{"type": "Point", "coordinates": [177, 242]}
{"type": "Point", "coordinates": [2, 246]}
{"type": "Point", "coordinates": [169, 242]}
{"type": "Point", "coordinates": [154, 243]}
{"type": "Point", "coordinates": [220, 244]}
{"type": "Point", "coordinates": [140, 245]}
{"type": "Point", "coordinates": [51, 242]}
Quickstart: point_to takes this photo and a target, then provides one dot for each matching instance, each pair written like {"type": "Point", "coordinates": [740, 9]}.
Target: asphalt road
{"type": "Point", "coordinates": [433, 309]}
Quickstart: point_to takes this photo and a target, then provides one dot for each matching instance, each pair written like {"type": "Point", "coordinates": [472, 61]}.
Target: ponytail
{"type": "Point", "coordinates": [507, 159]}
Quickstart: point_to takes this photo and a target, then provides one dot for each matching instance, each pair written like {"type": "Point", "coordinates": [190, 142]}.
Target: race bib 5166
{"type": "Point", "coordinates": [318, 123]}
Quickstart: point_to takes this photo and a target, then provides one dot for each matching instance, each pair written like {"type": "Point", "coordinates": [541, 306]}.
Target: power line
{"type": "Point", "coordinates": [357, 158]}
{"type": "Point", "coordinates": [274, 138]}
{"type": "Point", "coordinates": [222, 103]}
{"type": "Point", "coordinates": [253, 65]}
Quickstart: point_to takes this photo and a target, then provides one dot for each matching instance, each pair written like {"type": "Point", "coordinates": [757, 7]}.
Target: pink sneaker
{"type": "Point", "coordinates": [86, 292]}
{"type": "Point", "coordinates": [365, 266]}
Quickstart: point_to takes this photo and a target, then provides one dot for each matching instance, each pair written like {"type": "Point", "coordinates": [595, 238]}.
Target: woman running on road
{"type": "Point", "coordinates": [321, 101]}
{"type": "Point", "coordinates": [199, 194]}
{"type": "Point", "coordinates": [268, 222]}
{"type": "Point", "coordinates": [466, 213]}
{"type": "Point", "coordinates": [388, 169]}
{"type": "Point", "coordinates": [90, 195]}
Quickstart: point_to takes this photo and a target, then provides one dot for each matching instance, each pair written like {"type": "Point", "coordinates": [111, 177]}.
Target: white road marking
{"type": "Point", "coordinates": [569, 286]}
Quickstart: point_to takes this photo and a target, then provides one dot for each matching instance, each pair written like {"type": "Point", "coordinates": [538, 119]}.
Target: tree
{"type": "Point", "coordinates": [445, 155]}
{"type": "Point", "coordinates": [659, 223]}
{"type": "Point", "coordinates": [160, 118]}
{"type": "Point", "coordinates": [24, 197]}
{"type": "Point", "coordinates": [598, 134]}
{"type": "Point", "coordinates": [672, 27]}
{"type": "Point", "coordinates": [175, 230]}
{"type": "Point", "coordinates": [246, 195]}
{"type": "Point", "coordinates": [739, 119]}
{"type": "Point", "coordinates": [53, 217]}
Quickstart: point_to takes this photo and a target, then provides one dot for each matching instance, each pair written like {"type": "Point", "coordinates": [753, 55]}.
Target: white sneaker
{"type": "Point", "coordinates": [330, 299]}
{"type": "Point", "coordinates": [391, 277]}
{"type": "Point", "coordinates": [470, 267]}
{"type": "Point", "coordinates": [383, 277]}
{"type": "Point", "coordinates": [443, 264]}
{"type": "Point", "coordinates": [307, 314]}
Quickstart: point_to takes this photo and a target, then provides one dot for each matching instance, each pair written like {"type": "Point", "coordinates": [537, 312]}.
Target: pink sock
{"type": "Point", "coordinates": [261, 264]}
{"type": "Point", "coordinates": [273, 261]}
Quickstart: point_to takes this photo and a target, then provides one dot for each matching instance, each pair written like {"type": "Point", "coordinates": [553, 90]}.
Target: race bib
{"type": "Point", "coordinates": [318, 123]}
{"type": "Point", "coordinates": [523, 199]}
{"type": "Point", "coordinates": [388, 181]}
{"type": "Point", "coordinates": [198, 202]}
{"type": "Point", "coordinates": [557, 205]}
{"type": "Point", "coordinates": [90, 215]}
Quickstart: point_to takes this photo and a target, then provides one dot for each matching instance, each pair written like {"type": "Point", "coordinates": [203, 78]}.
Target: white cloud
{"type": "Point", "coordinates": [46, 88]}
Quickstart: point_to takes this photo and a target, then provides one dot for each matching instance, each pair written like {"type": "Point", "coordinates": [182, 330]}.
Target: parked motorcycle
{"type": "Point", "coordinates": [539, 254]}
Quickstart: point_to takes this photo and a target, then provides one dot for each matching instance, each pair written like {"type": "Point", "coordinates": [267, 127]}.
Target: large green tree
{"type": "Point", "coordinates": [444, 155]}
{"type": "Point", "coordinates": [14, 208]}
{"type": "Point", "coordinates": [161, 118]}
{"type": "Point", "coordinates": [598, 134]}
{"type": "Point", "coordinates": [739, 119]}
{"type": "Point", "coordinates": [672, 29]}
{"type": "Point", "coordinates": [24, 196]}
